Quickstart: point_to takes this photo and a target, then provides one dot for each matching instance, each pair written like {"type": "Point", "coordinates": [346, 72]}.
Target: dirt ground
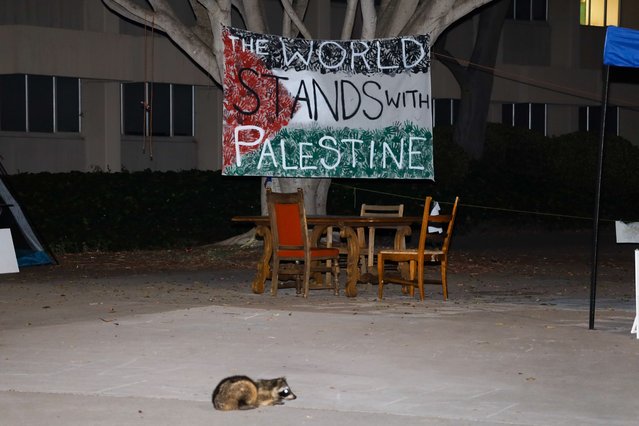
{"type": "Point", "coordinates": [544, 268]}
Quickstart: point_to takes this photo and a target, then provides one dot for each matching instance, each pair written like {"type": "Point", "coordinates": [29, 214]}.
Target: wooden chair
{"type": "Point", "coordinates": [367, 245]}
{"type": "Point", "coordinates": [417, 258]}
{"type": "Point", "coordinates": [292, 253]}
{"type": "Point", "coordinates": [372, 210]}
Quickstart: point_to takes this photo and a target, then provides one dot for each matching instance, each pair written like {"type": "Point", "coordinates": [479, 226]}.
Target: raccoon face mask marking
{"type": "Point", "coordinates": [285, 392]}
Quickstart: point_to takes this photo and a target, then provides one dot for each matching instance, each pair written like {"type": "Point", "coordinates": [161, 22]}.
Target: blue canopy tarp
{"type": "Point", "coordinates": [621, 48]}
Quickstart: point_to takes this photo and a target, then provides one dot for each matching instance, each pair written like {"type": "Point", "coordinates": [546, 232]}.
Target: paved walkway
{"type": "Point", "coordinates": [350, 362]}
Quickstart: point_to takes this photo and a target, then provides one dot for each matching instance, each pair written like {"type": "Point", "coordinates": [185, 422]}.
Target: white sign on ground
{"type": "Point", "coordinates": [635, 326]}
{"type": "Point", "coordinates": [8, 261]}
{"type": "Point", "coordinates": [629, 233]}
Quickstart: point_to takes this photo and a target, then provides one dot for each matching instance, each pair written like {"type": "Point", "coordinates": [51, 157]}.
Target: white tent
{"type": "Point", "coordinates": [28, 246]}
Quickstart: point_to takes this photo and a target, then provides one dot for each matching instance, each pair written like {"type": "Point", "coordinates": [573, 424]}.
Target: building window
{"type": "Point", "coordinates": [528, 10]}
{"type": "Point", "coordinates": [36, 103]}
{"type": "Point", "coordinates": [170, 109]}
{"type": "Point", "coordinates": [445, 111]}
{"type": "Point", "coordinates": [525, 116]}
{"type": "Point", "coordinates": [599, 13]}
{"type": "Point", "coordinates": [182, 113]}
{"type": "Point", "coordinates": [40, 104]}
{"type": "Point", "coordinates": [67, 104]}
{"type": "Point", "coordinates": [13, 103]}
{"type": "Point", "coordinates": [590, 119]}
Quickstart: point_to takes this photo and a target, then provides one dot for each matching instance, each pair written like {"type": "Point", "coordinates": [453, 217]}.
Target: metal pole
{"type": "Point", "coordinates": [595, 220]}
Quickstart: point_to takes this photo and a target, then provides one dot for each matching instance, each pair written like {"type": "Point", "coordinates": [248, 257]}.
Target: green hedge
{"type": "Point", "coordinates": [523, 178]}
{"type": "Point", "coordinates": [141, 210]}
{"type": "Point", "coordinates": [521, 173]}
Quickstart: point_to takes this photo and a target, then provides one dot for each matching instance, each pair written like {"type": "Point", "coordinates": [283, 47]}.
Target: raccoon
{"type": "Point", "coordinates": [242, 393]}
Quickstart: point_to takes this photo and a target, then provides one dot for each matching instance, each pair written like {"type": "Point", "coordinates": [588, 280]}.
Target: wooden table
{"type": "Point", "coordinates": [347, 226]}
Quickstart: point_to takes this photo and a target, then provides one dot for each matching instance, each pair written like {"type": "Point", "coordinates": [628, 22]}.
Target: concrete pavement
{"type": "Point", "coordinates": [350, 361]}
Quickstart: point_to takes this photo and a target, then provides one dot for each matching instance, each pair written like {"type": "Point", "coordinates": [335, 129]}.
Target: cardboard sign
{"type": "Point", "coordinates": [325, 108]}
{"type": "Point", "coordinates": [8, 261]}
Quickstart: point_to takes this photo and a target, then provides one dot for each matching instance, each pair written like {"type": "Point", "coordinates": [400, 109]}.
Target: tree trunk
{"type": "Point", "coordinates": [315, 192]}
{"type": "Point", "coordinates": [476, 79]}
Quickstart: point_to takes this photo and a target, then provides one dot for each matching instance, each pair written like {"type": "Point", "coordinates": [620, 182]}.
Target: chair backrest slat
{"type": "Point", "coordinates": [451, 223]}
{"type": "Point", "coordinates": [424, 226]}
{"type": "Point", "coordinates": [374, 210]}
{"type": "Point", "coordinates": [447, 222]}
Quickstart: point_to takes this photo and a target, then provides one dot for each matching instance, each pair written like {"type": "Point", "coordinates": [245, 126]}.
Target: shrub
{"type": "Point", "coordinates": [123, 211]}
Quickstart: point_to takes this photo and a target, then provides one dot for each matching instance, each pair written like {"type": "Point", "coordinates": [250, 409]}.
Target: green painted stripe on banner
{"type": "Point", "coordinates": [403, 151]}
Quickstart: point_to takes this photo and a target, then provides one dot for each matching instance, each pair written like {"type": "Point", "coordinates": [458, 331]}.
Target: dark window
{"type": "Point", "coordinates": [539, 10]}
{"type": "Point", "coordinates": [590, 119]}
{"type": "Point", "coordinates": [67, 98]}
{"type": "Point", "coordinates": [445, 111]}
{"type": "Point", "coordinates": [30, 103]}
{"type": "Point", "coordinates": [133, 110]}
{"type": "Point", "coordinates": [522, 116]}
{"type": "Point", "coordinates": [13, 103]}
{"type": "Point", "coordinates": [538, 118]}
{"type": "Point", "coordinates": [182, 110]}
{"type": "Point", "coordinates": [171, 109]}
{"type": "Point", "coordinates": [40, 99]}
{"type": "Point", "coordinates": [528, 10]}
{"type": "Point", "coordinates": [507, 114]}
{"type": "Point", "coordinates": [161, 108]}
{"type": "Point", "coordinates": [525, 116]}
{"type": "Point", "coordinates": [522, 10]}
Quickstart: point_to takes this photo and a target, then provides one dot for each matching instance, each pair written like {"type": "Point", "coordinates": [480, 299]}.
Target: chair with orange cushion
{"type": "Point", "coordinates": [292, 251]}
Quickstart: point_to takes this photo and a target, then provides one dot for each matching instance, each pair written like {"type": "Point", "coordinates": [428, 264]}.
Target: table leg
{"type": "Point", "coordinates": [400, 244]}
{"type": "Point", "coordinates": [263, 265]}
{"type": "Point", "coordinates": [352, 261]}
{"type": "Point", "coordinates": [314, 239]}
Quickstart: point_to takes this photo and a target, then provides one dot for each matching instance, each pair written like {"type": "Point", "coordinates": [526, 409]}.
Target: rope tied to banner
{"type": "Point", "coordinates": [472, 206]}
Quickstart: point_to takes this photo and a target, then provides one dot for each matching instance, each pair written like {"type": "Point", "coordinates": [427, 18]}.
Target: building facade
{"type": "Point", "coordinates": [76, 81]}
{"type": "Point", "coordinates": [548, 75]}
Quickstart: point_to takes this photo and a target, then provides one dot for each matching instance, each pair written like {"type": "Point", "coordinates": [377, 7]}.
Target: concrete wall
{"type": "Point", "coordinates": [555, 62]}
{"type": "Point", "coordinates": [102, 50]}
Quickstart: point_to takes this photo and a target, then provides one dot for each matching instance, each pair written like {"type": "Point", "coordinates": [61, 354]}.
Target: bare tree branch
{"type": "Point", "coordinates": [255, 21]}
{"type": "Point", "coordinates": [437, 15]}
{"type": "Point", "coordinates": [395, 16]}
{"type": "Point", "coordinates": [300, 7]}
{"type": "Point", "coordinates": [162, 18]}
{"type": "Point", "coordinates": [219, 14]}
{"type": "Point", "coordinates": [296, 19]}
{"type": "Point", "coordinates": [369, 19]}
{"type": "Point", "coordinates": [132, 11]}
{"type": "Point", "coordinates": [383, 5]}
{"type": "Point", "coordinates": [202, 23]}
{"type": "Point", "coordinates": [210, 5]}
{"type": "Point", "coordinates": [349, 19]}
